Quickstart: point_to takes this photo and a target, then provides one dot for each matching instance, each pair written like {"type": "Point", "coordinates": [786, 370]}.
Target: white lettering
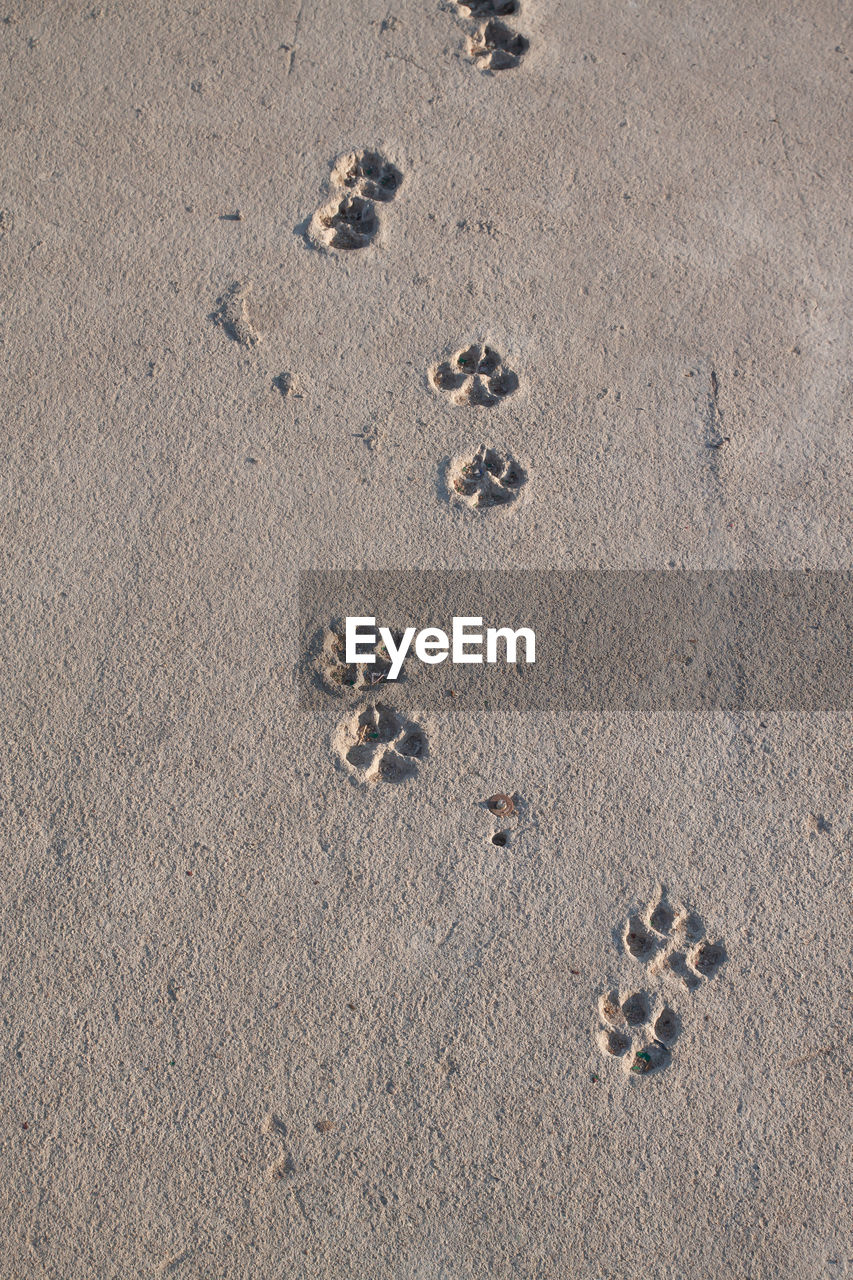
{"type": "Point", "coordinates": [432, 645]}
{"type": "Point", "coordinates": [432, 639]}
{"type": "Point", "coordinates": [512, 638]}
{"type": "Point", "coordinates": [397, 653]}
{"type": "Point", "coordinates": [354, 637]}
{"type": "Point", "coordinates": [461, 637]}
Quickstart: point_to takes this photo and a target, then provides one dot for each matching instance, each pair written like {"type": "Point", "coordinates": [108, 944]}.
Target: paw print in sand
{"type": "Point", "coordinates": [475, 375]}
{"type": "Point", "coordinates": [367, 174]}
{"type": "Point", "coordinates": [494, 47]}
{"type": "Point", "coordinates": [641, 1034]}
{"type": "Point", "coordinates": [337, 676]}
{"type": "Point", "coordinates": [350, 220]}
{"type": "Point", "coordinates": [489, 479]}
{"type": "Point", "coordinates": [670, 942]}
{"type": "Point", "coordinates": [377, 744]}
{"type": "Point", "coordinates": [346, 223]}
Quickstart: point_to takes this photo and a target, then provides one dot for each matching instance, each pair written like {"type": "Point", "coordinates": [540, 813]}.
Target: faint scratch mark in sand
{"type": "Point", "coordinates": [807, 213]}
{"type": "Point", "coordinates": [171, 1264]}
{"type": "Point", "coordinates": [822, 1052]}
{"type": "Point", "coordinates": [402, 57]}
{"type": "Point", "coordinates": [714, 438]}
{"type": "Point", "coordinates": [295, 37]}
{"type": "Point", "coordinates": [298, 1198]}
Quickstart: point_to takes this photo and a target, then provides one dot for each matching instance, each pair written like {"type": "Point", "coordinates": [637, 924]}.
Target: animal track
{"type": "Point", "coordinates": [671, 943]}
{"type": "Point", "coordinates": [350, 219]}
{"type": "Point", "coordinates": [493, 47]}
{"type": "Point", "coordinates": [367, 174]}
{"type": "Point", "coordinates": [635, 1032]}
{"type": "Point", "coordinates": [672, 940]}
{"type": "Point", "coordinates": [339, 677]}
{"type": "Point", "coordinates": [489, 479]}
{"type": "Point", "coordinates": [288, 385]}
{"type": "Point", "coordinates": [379, 744]}
{"type": "Point", "coordinates": [232, 315]}
{"type": "Point", "coordinates": [474, 375]}
{"type": "Point", "coordinates": [346, 223]}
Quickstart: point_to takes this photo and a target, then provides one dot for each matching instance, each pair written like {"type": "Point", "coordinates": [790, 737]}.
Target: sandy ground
{"type": "Point", "coordinates": [261, 1018]}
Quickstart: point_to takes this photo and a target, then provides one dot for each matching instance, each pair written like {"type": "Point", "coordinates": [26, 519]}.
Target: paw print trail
{"type": "Point", "coordinates": [492, 45]}
{"type": "Point", "coordinates": [350, 220]}
{"type": "Point", "coordinates": [670, 943]}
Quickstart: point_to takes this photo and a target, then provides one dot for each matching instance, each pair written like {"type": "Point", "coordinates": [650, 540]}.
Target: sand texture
{"type": "Point", "coordinates": [279, 280]}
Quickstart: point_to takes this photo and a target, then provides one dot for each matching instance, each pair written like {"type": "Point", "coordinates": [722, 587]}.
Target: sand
{"type": "Point", "coordinates": [264, 1015]}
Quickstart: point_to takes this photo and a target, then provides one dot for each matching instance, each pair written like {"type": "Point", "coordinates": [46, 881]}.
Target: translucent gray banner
{"type": "Point", "coordinates": [755, 640]}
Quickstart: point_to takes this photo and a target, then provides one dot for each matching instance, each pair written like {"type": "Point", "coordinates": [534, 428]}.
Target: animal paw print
{"type": "Point", "coordinates": [489, 479]}
{"type": "Point", "coordinates": [350, 219]}
{"type": "Point", "coordinates": [475, 375]}
{"type": "Point", "coordinates": [367, 174]}
{"type": "Point", "coordinates": [337, 676]}
{"type": "Point", "coordinates": [494, 47]}
{"type": "Point", "coordinates": [379, 744]}
{"type": "Point", "coordinates": [670, 942]}
{"type": "Point", "coordinates": [637, 1031]}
